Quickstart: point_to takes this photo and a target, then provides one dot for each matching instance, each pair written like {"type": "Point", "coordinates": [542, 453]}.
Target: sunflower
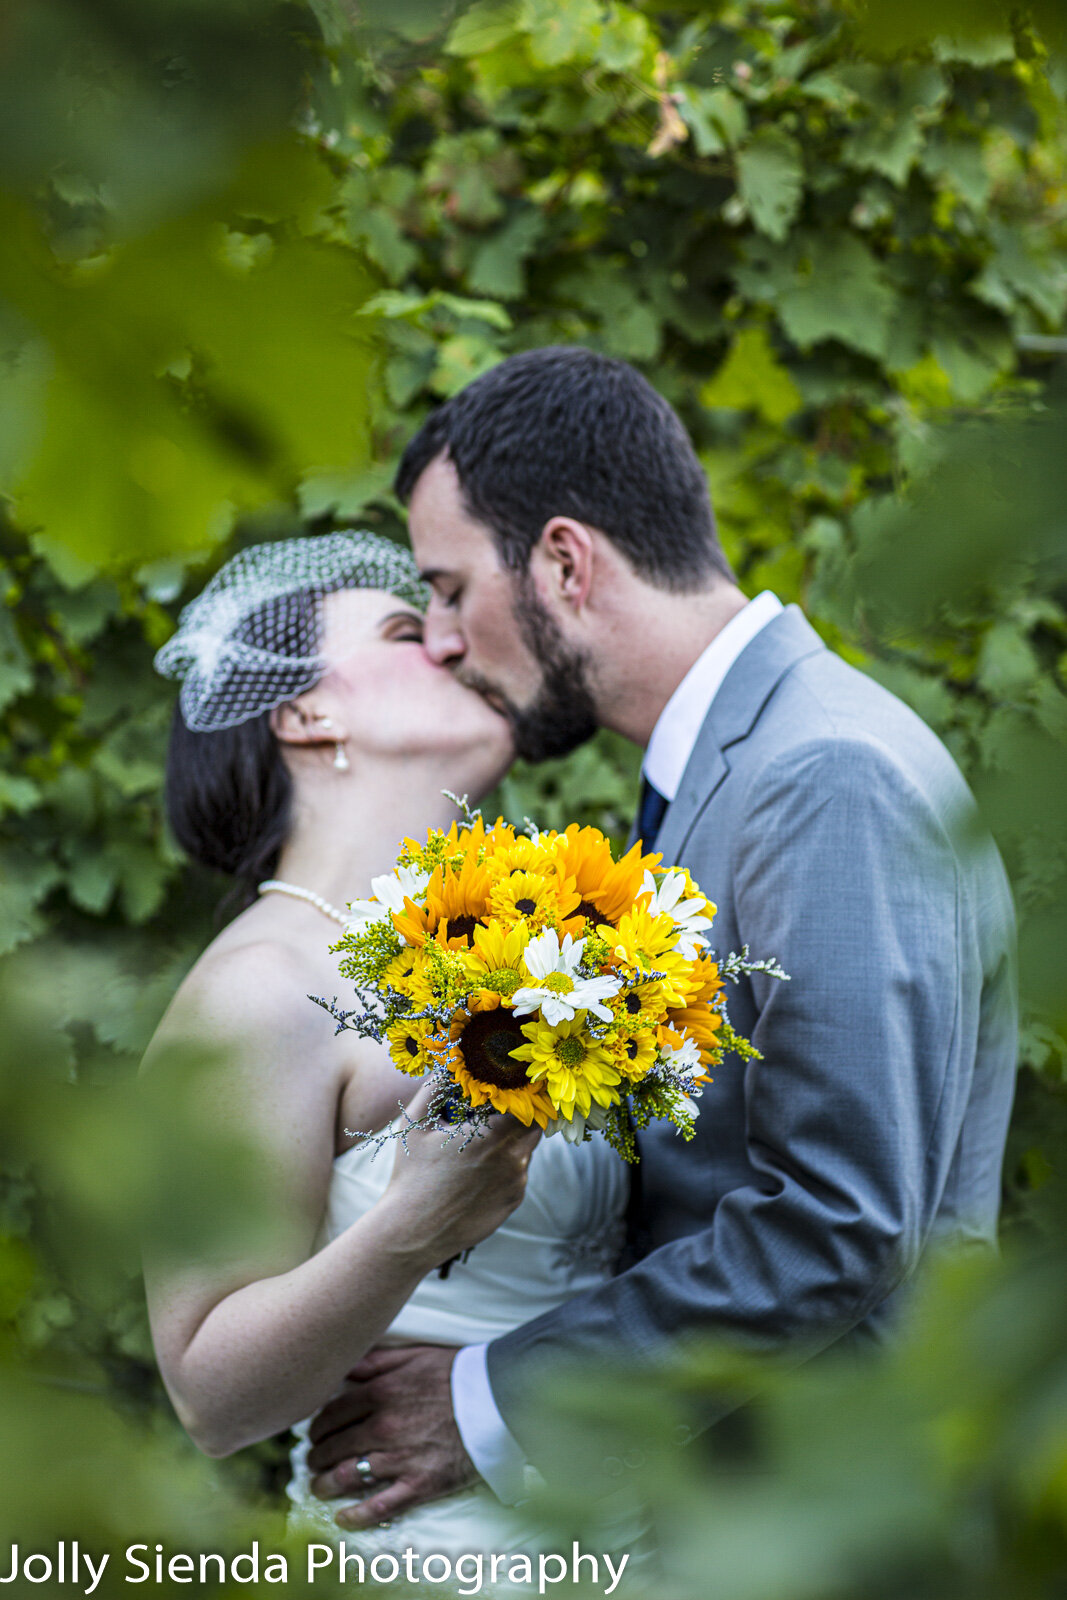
{"type": "Point", "coordinates": [541, 900]}
{"type": "Point", "coordinates": [650, 944]}
{"type": "Point", "coordinates": [479, 1055]}
{"type": "Point", "coordinates": [449, 848]}
{"type": "Point", "coordinates": [459, 898]}
{"type": "Point", "coordinates": [574, 1067]}
{"type": "Point", "coordinates": [698, 1015]}
{"type": "Point", "coordinates": [706, 982]}
{"type": "Point", "coordinates": [408, 1042]}
{"type": "Point", "coordinates": [607, 889]}
{"type": "Point", "coordinates": [635, 1055]}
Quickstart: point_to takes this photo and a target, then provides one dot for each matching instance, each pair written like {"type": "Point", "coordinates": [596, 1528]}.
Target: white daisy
{"type": "Point", "coordinates": [573, 1128]}
{"type": "Point", "coordinates": [561, 992]}
{"type": "Point", "coordinates": [389, 892]}
{"type": "Point", "coordinates": [684, 1057]}
{"type": "Point", "coordinates": [687, 915]}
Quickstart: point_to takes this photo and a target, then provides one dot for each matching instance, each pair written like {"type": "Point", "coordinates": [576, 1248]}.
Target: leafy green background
{"type": "Point", "coordinates": [243, 249]}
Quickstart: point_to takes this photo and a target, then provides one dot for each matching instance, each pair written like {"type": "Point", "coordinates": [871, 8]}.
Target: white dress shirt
{"type": "Point", "coordinates": [486, 1438]}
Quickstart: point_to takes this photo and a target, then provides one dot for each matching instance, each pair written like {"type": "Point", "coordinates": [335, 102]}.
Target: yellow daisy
{"type": "Point", "coordinates": [574, 1067]}
{"type": "Point", "coordinates": [648, 944]}
{"type": "Point", "coordinates": [495, 960]}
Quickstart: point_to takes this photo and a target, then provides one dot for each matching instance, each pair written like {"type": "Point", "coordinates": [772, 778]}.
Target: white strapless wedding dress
{"type": "Point", "coordinates": [562, 1240]}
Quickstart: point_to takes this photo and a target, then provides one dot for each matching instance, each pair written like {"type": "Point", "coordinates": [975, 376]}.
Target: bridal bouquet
{"type": "Point", "coordinates": [533, 973]}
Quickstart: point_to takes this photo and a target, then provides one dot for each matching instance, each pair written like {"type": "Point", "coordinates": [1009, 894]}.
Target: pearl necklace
{"type": "Point", "coordinates": [276, 886]}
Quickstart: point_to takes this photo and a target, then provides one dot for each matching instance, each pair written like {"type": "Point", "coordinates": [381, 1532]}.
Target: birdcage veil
{"type": "Point", "coordinates": [254, 637]}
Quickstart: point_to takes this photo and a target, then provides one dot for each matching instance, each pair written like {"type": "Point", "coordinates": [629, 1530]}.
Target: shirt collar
{"type": "Point", "coordinates": [682, 718]}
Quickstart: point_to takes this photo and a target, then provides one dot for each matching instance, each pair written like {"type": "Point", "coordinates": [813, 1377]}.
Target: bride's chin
{"type": "Point", "coordinates": [481, 771]}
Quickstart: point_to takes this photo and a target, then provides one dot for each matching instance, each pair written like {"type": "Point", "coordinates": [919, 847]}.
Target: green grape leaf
{"type": "Point", "coordinates": [25, 880]}
{"type": "Point", "coordinates": [960, 165]}
{"type": "Point", "coordinates": [1007, 664]}
{"type": "Point", "coordinates": [482, 27]}
{"type": "Point", "coordinates": [18, 794]}
{"type": "Point", "coordinates": [1016, 271]}
{"type": "Point", "coordinates": [752, 379]}
{"type": "Point", "coordinates": [498, 264]}
{"type": "Point", "coordinates": [716, 118]}
{"type": "Point", "coordinates": [143, 878]}
{"type": "Point", "coordinates": [903, 100]}
{"type": "Point", "coordinates": [842, 295]}
{"type": "Point", "coordinates": [92, 879]}
{"type": "Point", "coordinates": [343, 496]}
{"type": "Point", "coordinates": [461, 359]}
{"type": "Point", "coordinates": [560, 33]}
{"type": "Point", "coordinates": [16, 674]}
{"type": "Point", "coordinates": [770, 175]}
{"type": "Point", "coordinates": [624, 40]}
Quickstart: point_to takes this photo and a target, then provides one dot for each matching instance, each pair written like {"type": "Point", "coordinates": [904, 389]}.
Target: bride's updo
{"type": "Point", "coordinates": [251, 641]}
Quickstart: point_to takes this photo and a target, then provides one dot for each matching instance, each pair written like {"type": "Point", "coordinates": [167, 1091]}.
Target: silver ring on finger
{"type": "Point", "coordinates": [366, 1474]}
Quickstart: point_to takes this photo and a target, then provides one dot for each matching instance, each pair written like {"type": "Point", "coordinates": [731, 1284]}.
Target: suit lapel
{"type": "Point", "coordinates": [745, 690]}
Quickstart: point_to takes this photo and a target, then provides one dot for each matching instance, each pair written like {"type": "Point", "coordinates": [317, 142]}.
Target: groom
{"type": "Point", "coordinates": [562, 519]}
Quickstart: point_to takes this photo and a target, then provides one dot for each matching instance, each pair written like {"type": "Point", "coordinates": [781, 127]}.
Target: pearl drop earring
{"type": "Point", "coordinates": [340, 760]}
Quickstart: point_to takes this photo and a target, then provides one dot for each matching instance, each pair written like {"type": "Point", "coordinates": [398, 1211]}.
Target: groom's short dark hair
{"type": "Point", "coordinates": [564, 431]}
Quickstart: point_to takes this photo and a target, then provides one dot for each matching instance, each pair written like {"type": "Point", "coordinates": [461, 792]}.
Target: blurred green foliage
{"type": "Point", "coordinates": [243, 248]}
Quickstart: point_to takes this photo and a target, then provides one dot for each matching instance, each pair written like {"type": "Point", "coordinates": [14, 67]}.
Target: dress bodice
{"type": "Point", "coordinates": [564, 1238]}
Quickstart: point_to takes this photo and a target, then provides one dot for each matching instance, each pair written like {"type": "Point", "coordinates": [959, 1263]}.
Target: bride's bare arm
{"type": "Point", "coordinates": [248, 1347]}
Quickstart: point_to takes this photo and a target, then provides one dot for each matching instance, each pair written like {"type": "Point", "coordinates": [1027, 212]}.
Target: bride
{"type": "Point", "coordinates": [312, 734]}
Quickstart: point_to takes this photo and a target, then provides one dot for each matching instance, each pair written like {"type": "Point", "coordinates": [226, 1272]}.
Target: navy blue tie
{"type": "Point", "coordinates": [650, 813]}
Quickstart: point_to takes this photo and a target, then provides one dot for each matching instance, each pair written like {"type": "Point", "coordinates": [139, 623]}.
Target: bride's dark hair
{"type": "Point", "coordinates": [228, 797]}
{"type": "Point", "coordinates": [228, 793]}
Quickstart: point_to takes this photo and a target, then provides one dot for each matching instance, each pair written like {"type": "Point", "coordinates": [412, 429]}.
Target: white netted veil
{"type": "Point", "coordinates": [254, 637]}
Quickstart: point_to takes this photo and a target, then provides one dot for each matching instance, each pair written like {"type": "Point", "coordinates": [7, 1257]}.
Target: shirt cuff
{"type": "Point", "coordinates": [494, 1450]}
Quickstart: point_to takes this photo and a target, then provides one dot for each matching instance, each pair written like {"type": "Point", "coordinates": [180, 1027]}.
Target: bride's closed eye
{"type": "Point", "coordinates": [403, 627]}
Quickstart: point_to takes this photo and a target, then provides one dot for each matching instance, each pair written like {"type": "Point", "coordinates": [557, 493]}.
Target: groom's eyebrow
{"type": "Point", "coordinates": [430, 575]}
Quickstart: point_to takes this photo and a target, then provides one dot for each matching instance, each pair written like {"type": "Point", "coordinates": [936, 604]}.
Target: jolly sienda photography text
{"type": "Point", "coordinates": [68, 1562]}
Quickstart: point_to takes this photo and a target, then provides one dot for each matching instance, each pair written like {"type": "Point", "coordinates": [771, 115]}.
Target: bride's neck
{"type": "Point", "coordinates": [347, 829]}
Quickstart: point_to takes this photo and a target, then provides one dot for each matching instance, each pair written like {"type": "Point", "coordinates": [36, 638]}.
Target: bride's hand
{"type": "Point", "coordinates": [446, 1197]}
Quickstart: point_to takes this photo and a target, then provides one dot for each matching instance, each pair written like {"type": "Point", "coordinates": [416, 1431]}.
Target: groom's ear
{"type": "Point", "coordinates": [564, 555]}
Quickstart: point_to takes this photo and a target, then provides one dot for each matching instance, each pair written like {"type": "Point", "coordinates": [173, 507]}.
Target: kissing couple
{"type": "Point", "coordinates": [567, 575]}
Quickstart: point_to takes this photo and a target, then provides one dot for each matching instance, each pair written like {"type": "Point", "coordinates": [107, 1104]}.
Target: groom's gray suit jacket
{"type": "Point", "coordinates": [834, 831]}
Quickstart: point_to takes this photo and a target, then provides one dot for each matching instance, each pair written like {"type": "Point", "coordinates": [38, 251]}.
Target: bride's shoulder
{"type": "Point", "coordinates": [245, 986]}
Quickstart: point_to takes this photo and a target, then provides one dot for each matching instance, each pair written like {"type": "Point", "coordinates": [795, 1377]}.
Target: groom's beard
{"type": "Point", "coordinates": [562, 714]}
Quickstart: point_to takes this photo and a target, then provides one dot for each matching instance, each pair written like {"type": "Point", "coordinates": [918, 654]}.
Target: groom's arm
{"type": "Point", "coordinates": [843, 871]}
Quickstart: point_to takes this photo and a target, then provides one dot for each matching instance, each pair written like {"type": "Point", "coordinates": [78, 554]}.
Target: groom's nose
{"type": "Point", "coordinates": [441, 639]}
